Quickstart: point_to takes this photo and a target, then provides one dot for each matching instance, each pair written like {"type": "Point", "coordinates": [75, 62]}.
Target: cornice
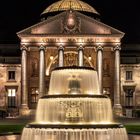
{"type": "Point", "coordinates": [70, 35]}
{"type": "Point", "coordinates": [129, 65]}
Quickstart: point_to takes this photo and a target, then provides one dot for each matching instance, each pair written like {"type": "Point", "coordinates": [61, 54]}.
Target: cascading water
{"type": "Point", "coordinates": [74, 109]}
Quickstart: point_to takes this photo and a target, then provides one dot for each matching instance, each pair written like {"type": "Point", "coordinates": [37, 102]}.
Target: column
{"type": "Point", "coordinates": [99, 50]}
{"type": "Point", "coordinates": [24, 82]}
{"type": "Point", "coordinates": [80, 56]}
{"type": "Point", "coordinates": [61, 56]}
{"type": "Point", "coordinates": [41, 71]}
{"type": "Point", "coordinates": [117, 106]}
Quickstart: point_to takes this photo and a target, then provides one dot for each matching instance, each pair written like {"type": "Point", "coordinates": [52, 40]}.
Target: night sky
{"type": "Point", "coordinates": [16, 15]}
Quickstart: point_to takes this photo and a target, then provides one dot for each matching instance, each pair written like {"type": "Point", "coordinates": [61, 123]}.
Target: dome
{"type": "Point", "coordinates": [63, 5]}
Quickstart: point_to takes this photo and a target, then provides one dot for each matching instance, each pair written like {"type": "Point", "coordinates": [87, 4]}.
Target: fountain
{"type": "Point", "coordinates": [74, 109]}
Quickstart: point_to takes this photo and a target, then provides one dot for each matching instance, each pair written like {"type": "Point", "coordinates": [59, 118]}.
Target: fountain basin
{"type": "Point", "coordinates": [73, 96]}
{"type": "Point", "coordinates": [85, 109]}
{"type": "Point", "coordinates": [63, 78]}
{"type": "Point", "coordinates": [73, 126]}
{"type": "Point", "coordinates": [74, 132]}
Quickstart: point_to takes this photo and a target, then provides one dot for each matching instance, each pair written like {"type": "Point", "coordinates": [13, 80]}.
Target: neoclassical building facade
{"type": "Point", "coordinates": [130, 88]}
{"type": "Point", "coordinates": [130, 80]}
{"type": "Point", "coordinates": [69, 38]}
{"type": "Point", "coordinates": [10, 86]}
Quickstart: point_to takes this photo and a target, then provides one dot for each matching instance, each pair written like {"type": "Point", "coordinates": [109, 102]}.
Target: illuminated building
{"type": "Point", "coordinates": [130, 80]}
{"type": "Point", "coordinates": [10, 80]}
{"type": "Point", "coordinates": [68, 36]}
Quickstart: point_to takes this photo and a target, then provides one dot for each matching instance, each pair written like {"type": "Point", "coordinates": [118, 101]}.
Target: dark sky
{"type": "Point", "coordinates": [16, 15]}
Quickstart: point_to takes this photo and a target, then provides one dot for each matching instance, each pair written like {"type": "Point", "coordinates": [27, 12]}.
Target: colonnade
{"type": "Point", "coordinates": [99, 50]}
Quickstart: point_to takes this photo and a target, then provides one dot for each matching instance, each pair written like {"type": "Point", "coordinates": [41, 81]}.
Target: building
{"type": "Point", "coordinates": [10, 80]}
{"type": "Point", "coordinates": [130, 80]}
{"type": "Point", "coordinates": [69, 37]}
{"type": "Point", "coordinates": [10, 77]}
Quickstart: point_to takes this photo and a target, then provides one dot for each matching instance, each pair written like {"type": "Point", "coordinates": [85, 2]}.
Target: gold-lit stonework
{"type": "Point", "coordinates": [70, 38]}
{"type": "Point", "coordinates": [63, 5]}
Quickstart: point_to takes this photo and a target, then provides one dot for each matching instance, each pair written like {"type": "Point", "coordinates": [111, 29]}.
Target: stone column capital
{"type": "Point", "coordinates": [60, 47]}
{"type": "Point", "coordinates": [117, 47]}
{"type": "Point", "coordinates": [81, 47]}
{"type": "Point", "coordinates": [42, 48]}
{"type": "Point", "coordinates": [99, 48]}
{"type": "Point", "coordinates": [23, 47]}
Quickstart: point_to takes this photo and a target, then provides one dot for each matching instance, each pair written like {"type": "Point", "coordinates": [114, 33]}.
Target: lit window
{"type": "Point", "coordinates": [129, 75]}
{"type": "Point", "coordinates": [11, 75]}
{"type": "Point", "coordinates": [11, 98]}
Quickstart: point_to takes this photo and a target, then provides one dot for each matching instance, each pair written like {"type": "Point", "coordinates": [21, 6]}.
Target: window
{"type": "Point", "coordinates": [11, 75]}
{"type": "Point", "coordinates": [34, 95]}
{"type": "Point", "coordinates": [11, 98]}
{"type": "Point", "coordinates": [129, 97]}
{"type": "Point", "coordinates": [129, 75]}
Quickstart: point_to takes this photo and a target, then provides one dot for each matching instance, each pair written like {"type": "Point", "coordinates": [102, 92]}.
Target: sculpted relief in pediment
{"type": "Point", "coordinates": [71, 23]}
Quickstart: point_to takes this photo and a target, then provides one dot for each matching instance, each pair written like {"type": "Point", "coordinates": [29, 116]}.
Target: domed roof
{"type": "Point", "coordinates": [63, 5]}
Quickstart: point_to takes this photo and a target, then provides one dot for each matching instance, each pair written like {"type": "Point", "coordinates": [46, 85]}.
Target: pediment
{"type": "Point", "coordinates": [70, 22]}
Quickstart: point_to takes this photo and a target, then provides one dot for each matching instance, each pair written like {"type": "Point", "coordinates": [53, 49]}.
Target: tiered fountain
{"type": "Point", "coordinates": [74, 109]}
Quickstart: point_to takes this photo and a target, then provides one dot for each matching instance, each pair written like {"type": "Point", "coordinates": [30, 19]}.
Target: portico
{"type": "Point", "coordinates": [64, 40]}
